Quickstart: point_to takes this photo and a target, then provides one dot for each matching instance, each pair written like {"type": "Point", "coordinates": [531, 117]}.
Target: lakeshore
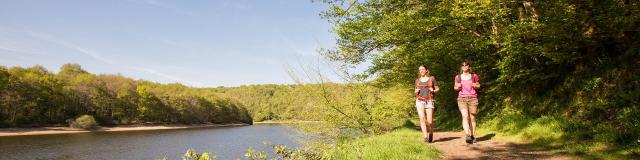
{"type": "Point", "coordinates": [285, 122]}
{"type": "Point", "coordinates": [7, 132]}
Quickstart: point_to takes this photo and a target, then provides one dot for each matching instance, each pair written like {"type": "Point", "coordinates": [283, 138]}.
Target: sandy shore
{"type": "Point", "coordinates": [66, 130]}
{"type": "Point", "coordinates": [285, 122]}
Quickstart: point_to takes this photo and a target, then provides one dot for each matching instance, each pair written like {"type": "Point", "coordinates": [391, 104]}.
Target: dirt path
{"type": "Point", "coordinates": [453, 146]}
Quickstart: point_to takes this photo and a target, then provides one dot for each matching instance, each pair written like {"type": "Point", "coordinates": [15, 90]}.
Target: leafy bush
{"type": "Point", "coordinates": [192, 155]}
{"type": "Point", "coordinates": [84, 122]}
{"type": "Point", "coordinates": [255, 155]}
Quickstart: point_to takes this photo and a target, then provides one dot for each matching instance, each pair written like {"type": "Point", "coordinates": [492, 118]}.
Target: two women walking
{"type": "Point", "coordinates": [465, 84]}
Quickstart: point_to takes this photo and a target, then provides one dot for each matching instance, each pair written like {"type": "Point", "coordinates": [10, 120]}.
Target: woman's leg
{"type": "Point", "coordinates": [472, 118]}
{"type": "Point", "coordinates": [430, 118]}
{"type": "Point", "coordinates": [464, 111]}
{"type": "Point", "coordinates": [430, 121]}
{"type": "Point", "coordinates": [430, 108]}
{"type": "Point", "coordinates": [473, 109]}
{"type": "Point", "coordinates": [421, 116]}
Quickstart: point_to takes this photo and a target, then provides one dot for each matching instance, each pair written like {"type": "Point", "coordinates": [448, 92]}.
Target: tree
{"type": "Point", "coordinates": [571, 58]}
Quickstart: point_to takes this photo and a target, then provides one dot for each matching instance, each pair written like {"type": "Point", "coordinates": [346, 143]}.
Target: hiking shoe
{"type": "Point", "coordinates": [430, 137]}
{"type": "Point", "coordinates": [473, 139]}
{"type": "Point", "coordinates": [469, 140]}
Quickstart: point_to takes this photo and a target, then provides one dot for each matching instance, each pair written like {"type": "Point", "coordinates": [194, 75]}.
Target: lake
{"type": "Point", "coordinates": [227, 142]}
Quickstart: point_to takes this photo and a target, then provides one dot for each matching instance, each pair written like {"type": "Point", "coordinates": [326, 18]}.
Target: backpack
{"type": "Point", "coordinates": [459, 78]}
{"type": "Point", "coordinates": [429, 82]}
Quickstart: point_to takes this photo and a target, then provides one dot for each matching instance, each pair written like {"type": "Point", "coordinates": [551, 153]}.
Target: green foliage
{"type": "Point", "coordinates": [563, 134]}
{"type": "Point", "coordinates": [403, 143]}
{"type": "Point", "coordinates": [574, 59]}
{"type": "Point", "coordinates": [72, 69]}
{"type": "Point", "coordinates": [36, 97]}
{"type": "Point", "coordinates": [541, 130]}
{"type": "Point", "coordinates": [363, 107]}
{"type": "Point", "coordinates": [284, 152]}
{"type": "Point", "coordinates": [275, 102]}
{"type": "Point", "coordinates": [192, 155]}
{"type": "Point", "coordinates": [255, 155]}
{"type": "Point", "coordinates": [84, 122]}
{"type": "Point", "coordinates": [281, 152]}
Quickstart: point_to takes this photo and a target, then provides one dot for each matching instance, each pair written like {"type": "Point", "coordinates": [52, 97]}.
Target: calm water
{"type": "Point", "coordinates": [228, 142]}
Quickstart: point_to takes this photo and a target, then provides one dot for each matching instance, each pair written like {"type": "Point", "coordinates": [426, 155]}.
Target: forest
{"type": "Point", "coordinates": [34, 96]}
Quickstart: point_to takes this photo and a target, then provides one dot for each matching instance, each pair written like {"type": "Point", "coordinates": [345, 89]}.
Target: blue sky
{"type": "Point", "coordinates": [197, 43]}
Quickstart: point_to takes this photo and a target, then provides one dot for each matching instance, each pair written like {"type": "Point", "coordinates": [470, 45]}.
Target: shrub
{"type": "Point", "coordinates": [84, 122]}
{"type": "Point", "coordinates": [193, 155]}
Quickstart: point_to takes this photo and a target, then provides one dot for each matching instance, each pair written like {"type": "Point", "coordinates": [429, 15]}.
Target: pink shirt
{"type": "Point", "coordinates": [467, 89]}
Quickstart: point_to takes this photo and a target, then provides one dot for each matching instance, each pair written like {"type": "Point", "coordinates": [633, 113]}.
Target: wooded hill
{"type": "Point", "coordinates": [35, 96]}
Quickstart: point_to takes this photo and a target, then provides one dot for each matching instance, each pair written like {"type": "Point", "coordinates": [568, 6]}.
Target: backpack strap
{"type": "Point", "coordinates": [431, 81]}
{"type": "Point", "coordinates": [433, 87]}
{"type": "Point", "coordinates": [473, 77]}
{"type": "Point", "coordinates": [458, 78]}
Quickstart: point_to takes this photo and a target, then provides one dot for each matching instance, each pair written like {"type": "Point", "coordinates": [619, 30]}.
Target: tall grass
{"type": "Point", "coordinates": [560, 134]}
{"type": "Point", "coordinates": [402, 143]}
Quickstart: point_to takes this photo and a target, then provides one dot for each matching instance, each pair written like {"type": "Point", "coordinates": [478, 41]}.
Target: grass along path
{"type": "Point", "coordinates": [403, 143]}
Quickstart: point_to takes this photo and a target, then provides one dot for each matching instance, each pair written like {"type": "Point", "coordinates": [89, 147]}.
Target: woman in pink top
{"type": "Point", "coordinates": [466, 84]}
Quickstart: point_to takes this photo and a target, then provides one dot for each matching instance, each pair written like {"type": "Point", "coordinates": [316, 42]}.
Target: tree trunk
{"type": "Point", "coordinates": [494, 34]}
{"type": "Point", "coordinates": [528, 6]}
